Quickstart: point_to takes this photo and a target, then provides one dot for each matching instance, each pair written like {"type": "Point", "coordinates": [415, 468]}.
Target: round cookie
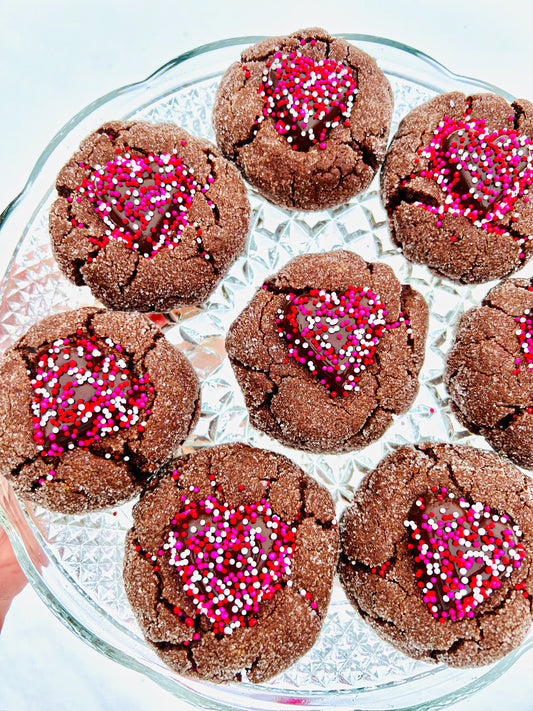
{"type": "Point", "coordinates": [92, 403]}
{"type": "Point", "coordinates": [148, 217]}
{"type": "Point", "coordinates": [256, 604]}
{"type": "Point", "coordinates": [436, 553]}
{"type": "Point", "coordinates": [305, 118]}
{"type": "Point", "coordinates": [456, 184]}
{"type": "Point", "coordinates": [334, 388]}
{"type": "Point", "coordinates": [489, 370]}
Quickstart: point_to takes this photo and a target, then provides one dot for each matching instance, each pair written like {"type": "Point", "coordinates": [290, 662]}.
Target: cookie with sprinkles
{"type": "Point", "coordinates": [305, 118]}
{"type": "Point", "coordinates": [149, 217]}
{"type": "Point", "coordinates": [436, 553]}
{"type": "Point", "coordinates": [328, 350]}
{"type": "Point", "coordinates": [93, 403]}
{"type": "Point", "coordinates": [489, 370]}
{"type": "Point", "coordinates": [457, 185]}
{"type": "Point", "coordinates": [230, 561]}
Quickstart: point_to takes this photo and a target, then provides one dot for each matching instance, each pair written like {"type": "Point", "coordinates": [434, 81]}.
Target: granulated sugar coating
{"type": "Point", "coordinates": [457, 184]}
{"type": "Point", "coordinates": [93, 402]}
{"type": "Point", "coordinates": [230, 562]}
{"type": "Point", "coordinates": [489, 373]}
{"type": "Point", "coordinates": [436, 553]}
{"type": "Point", "coordinates": [148, 216]}
{"type": "Point", "coordinates": [305, 118]}
{"type": "Point", "coordinates": [328, 350]}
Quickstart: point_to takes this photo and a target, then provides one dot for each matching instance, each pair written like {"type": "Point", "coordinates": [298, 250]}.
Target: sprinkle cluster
{"type": "Point", "coordinates": [335, 335]}
{"type": "Point", "coordinates": [229, 560]}
{"type": "Point", "coordinates": [461, 550]}
{"type": "Point", "coordinates": [84, 391]}
{"type": "Point", "coordinates": [143, 200]}
{"type": "Point", "coordinates": [525, 336]}
{"type": "Point", "coordinates": [305, 97]}
{"type": "Point", "coordinates": [483, 173]}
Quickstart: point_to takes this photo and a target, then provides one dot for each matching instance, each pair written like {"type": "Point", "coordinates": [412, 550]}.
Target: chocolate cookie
{"type": "Point", "coordinates": [455, 185]}
{"type": "Point", "coordinates": [92, 403]}
{"type": "Point", "coordinates": [230, 562]}
{"type": "Point", "coordinates": [436, 553]}
{"type": "Point", "coordinates": [489, 370]}
{"type": "Point", "coordinates": [305, 118]}
{"type": "Point", "coordinates": [328, 350]}
{"type": "Point", "coordinates": [148, 217]}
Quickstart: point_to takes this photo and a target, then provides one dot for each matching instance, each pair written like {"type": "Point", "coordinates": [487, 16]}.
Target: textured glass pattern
{"type": "Point", "coordinates": [88, 549]}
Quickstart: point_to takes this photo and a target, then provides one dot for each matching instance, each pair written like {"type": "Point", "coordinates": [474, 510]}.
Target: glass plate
{"type": "Point", "coordinates": [75, 562]}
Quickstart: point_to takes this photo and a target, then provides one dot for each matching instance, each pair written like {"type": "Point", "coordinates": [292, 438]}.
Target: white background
{"type": "Point", "coordinates": [56, 57]}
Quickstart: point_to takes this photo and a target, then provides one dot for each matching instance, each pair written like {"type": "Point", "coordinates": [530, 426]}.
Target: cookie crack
{"type": "Point", "coordinates": [303, 514]}
{"type": "Point", "coordinates": [238, 145]}
{"type": "Point", "coordinates": [19, 467]}
{"type": "Point", "coordinates": [368, 156]}
{"type": "Point", "coordinates": [161, 599]}
{"type": "Point", "coordinates": [368, 569]}
{"type": "Point", "coordinates": [518, 113]}
{"type": "Point", "coordinates": [131, 278]}
{"type": "Point", "coordinates": [292, 188]}
{"type": "Point", "coordinates": [92, 252]}
{"type": "Point", "coordinates": [261, 57]}
{"type": "Point", "coordinates": [408, 196]}
{"type": "Point", "coordinates": [211, 163]}
{"type": "Point", "coordinates": [452, 476]}
{"type": "Point", "coordinates": [487, 301]}
{"type": "Point", "coordinates": [405, 195]}
{"type": "Point", "coordinates": [429, 453]}
{"type": "Point", "coordinates": [108, 131]}
{"type": "Point", "coordinates": [405, 310]}
{"type": "Point", "coordinates": [508, 420]}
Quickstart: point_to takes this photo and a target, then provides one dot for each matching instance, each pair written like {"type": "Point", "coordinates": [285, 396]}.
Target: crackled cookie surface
{"type": "Point", "coordinates": [457, 186]}
{"type": "Point", "coordinates": [230, 562]}
{"type": "Point", "coordinates": [328, 350]}
{"type": "Point", "coordinates": [489, 370]}
{"type": "Point", "coordinates": [148, 216]}
{"type": "Point", "coordinates": [436, 553]}
{"type": "Point", "coordinates": [93, 402]}
{"type": "Point", "coordinates": [305, 118]}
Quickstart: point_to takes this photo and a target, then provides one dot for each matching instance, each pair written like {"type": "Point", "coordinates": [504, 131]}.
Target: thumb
{"type": "Point", "coordinates": [12, 579]}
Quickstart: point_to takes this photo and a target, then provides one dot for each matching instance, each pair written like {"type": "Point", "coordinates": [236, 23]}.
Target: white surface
{"type": "Point", "coordinates": [56, 57]}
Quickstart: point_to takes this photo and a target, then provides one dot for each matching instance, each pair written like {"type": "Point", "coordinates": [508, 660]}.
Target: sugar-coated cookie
{"type": "Point", "coordinates": [148, 216]}
{"type": "Point", "coordinates": [456, 185]}
{"type": "Point", "coordinates": [489, 370]}
{"type": "Point", "coordinates": [436, 553]}
{"type": "Point", "coordinates": [230, 562]}
{"type": "Point", "coordinates": [305, 118]}
{"type": "Point", "coordinates": [328, 350]}
{"type": "Point", "coordinates": [93, 403]}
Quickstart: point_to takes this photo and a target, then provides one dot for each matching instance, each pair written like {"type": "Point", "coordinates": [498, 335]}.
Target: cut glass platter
{"type": "Point", "coordinates": [75, 562]}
